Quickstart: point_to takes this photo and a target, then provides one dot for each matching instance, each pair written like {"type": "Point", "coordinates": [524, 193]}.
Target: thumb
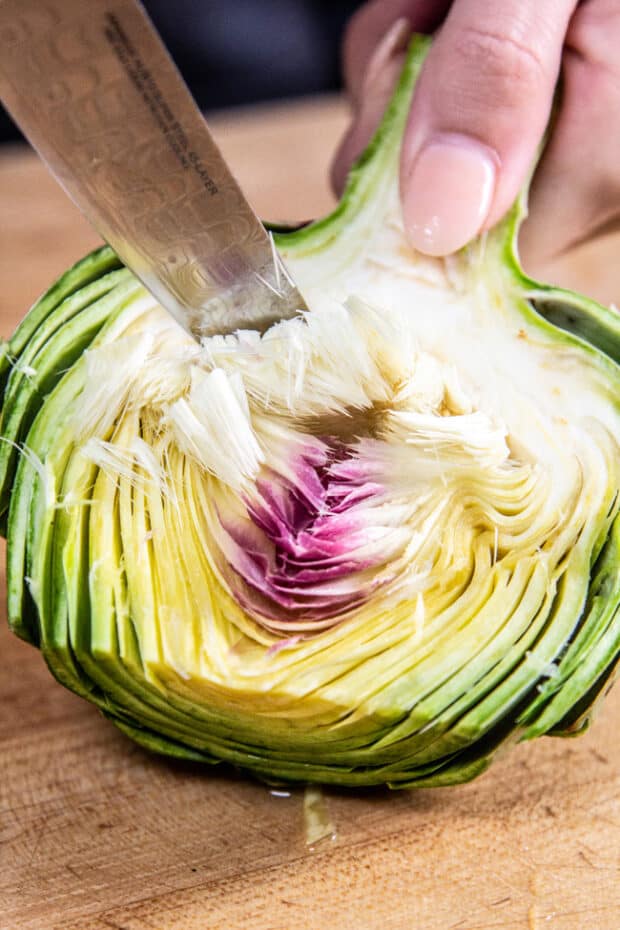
{"type": "Point", "coordinates": [479, 112]}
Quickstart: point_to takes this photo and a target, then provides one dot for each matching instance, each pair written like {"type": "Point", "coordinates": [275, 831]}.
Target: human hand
{"type": "Point", "coordinates": [480, 110]}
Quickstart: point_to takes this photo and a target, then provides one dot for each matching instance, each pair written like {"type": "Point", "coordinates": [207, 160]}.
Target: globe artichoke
{"type": "Point", "coordinates": [372, 545]}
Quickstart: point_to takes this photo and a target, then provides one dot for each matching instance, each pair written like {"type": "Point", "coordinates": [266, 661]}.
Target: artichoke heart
{"type": "Point", "coordinates": [371, 545]}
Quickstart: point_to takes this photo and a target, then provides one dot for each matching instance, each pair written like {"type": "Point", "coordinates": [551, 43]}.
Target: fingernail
{"type": "Point", "coordinates": [393, 42]}
{"type": "Point", "coordinates": [448, 193]}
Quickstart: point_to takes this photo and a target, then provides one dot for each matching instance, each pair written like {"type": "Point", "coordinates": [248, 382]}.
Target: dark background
{"type": "Point", "coordinates": [234, 52]}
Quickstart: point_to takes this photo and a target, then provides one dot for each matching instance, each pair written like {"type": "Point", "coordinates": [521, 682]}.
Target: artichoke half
{"type": "Point", "coordinates": [370, 546]}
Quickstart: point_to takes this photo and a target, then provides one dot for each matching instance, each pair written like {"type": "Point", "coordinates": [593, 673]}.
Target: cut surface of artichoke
{"type": "Point", "coordinates": [371, 545]}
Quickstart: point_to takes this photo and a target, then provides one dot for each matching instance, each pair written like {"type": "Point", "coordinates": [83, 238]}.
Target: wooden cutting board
{"type": "Point", "coordinates": [95, 833]}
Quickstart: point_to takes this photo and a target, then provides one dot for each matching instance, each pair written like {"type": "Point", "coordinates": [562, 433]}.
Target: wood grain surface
{"type": "Point", "coordinates": [97, 834]}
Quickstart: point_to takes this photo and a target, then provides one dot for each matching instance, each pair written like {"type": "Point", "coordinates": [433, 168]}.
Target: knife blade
{"type": "Point", "coordinates": [96, 93]}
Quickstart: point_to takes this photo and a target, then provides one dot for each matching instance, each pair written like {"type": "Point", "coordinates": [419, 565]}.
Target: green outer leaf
{"type": "Point", "coordinates": [591, 322]}
{"type": "Point", "coordinates": [90, 268]}
{"type": "Point", "coordinates": [59, 340]}
{"type": "Point", "coordinates": [65, 343]}
{"type": "Point", "coordinates": [592, 654]}
{"type": "Point", "coordinates": [580, 316]}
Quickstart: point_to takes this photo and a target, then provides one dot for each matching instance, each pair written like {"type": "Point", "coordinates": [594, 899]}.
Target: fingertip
{"type": "Point", "coordinates": [448, 193]}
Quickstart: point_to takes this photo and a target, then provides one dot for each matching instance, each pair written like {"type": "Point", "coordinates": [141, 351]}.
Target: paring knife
{"type": "Point", "coordinates": [95, 91]}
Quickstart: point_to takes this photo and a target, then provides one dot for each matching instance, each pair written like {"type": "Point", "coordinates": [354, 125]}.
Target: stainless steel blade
{"type": "Point", "coordinates": [97, 94]}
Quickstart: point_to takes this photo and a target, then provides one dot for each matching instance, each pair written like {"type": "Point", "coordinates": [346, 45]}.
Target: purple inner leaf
{"type": "Point", "coordinates": [300, 554]}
